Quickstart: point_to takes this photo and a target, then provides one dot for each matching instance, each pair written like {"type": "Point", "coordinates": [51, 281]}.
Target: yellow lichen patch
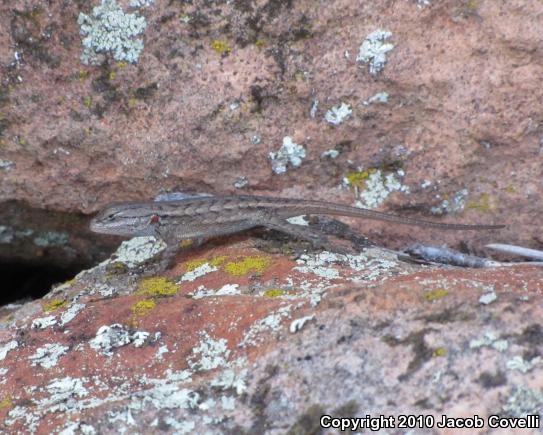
{"type": "Point", "coordinates": [87, 101]}
{"type": "Point", "coordinates": [83, 74]}
{"type": "Point", "coordinates": [215, 262]}
{"type": "Point", "coordinates": [53, 305]}
{"type": "Point", "coordinates": [274, 292]}
{"type": "Point", "coordinates": [358, 179]}
{"type": "Point", "coordinates": [121, 65]}
{"type": "Point", "coordinates": [221, 46]}
{"type": "Point", "coordinates": [6, 403]}
{"type": "Point", "coordinates": [438, 293]}
{"type": "Point", "coordinates": [472, 5]}
{"type": "Point", "coordinates": [255, 264]}
{"type": "Point", "coordinates": [142, 308]}
{"type": "Point", "coordinates": [483, 204]}
{"type": "Point", "coordinates": [260, 43]}
{"type": "Point", "coordinates": [510, 188]}
{"type": "Point", "coordinates": [157, 287]}
{"type": "Point", "coordinates": [439, 352]}
{"type": "Point", "coordinates": [112, 75]}
{"type": "Point", "coordinates": [186, 243]}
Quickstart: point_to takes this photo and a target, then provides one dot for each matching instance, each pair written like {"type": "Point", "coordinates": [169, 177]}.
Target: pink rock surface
{"type": "Point", "coordinates": [236, 340]}
{"type": "Point", "coordinates": [463, 111]}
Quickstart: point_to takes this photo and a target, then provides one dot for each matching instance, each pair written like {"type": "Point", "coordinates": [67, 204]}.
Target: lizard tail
{"type": "Point", "coordinates": [316, 207]}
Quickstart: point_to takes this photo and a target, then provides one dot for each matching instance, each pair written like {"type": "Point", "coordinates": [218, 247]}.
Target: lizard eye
{"type": "Point", "coordinates": [155, 219]}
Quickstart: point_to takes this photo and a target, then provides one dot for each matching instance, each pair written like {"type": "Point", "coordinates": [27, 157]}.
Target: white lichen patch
{"type": "Point", "coordinates": [298, 220]}
{"type": "Point", "coordinates": [234, 378]}
{"type": "Point", "coordinates": [225, 290]}
{"type": "Point", "coordinates": [374, 49]}
{"type": "Point", "coordinates": [524, 401]}
{"type": "Point", "coordinates": [138, 250]}
{"type": "Point", "coordinates": [336, 115]}
{"type": "Point", "coordinates": [43, 322]}
{"type": "Point", "coordinates": [488, 298]}
{"type": "Point", "coordinates": [110, 30]}
{"type": "Point", "coordinates": [78, 427]}
{"type": "Point", "coordinates": [379, 97]}
{"type": "Point", "coordinates": [378, 187]}
{"type": "Point", "coordinates": [48, 355]}
{"type": "Point", "coordinates": [6, 165]}
{"type": "Point", "coordinates": [18, 413]}
{"type": "Point", "coordinates": [297, 324]}
{"type": "Point", "coordinates": [454, 205]}
{"type": "Point", "coordinates": [522, 365]}
{"type": "Point", "coordinates": [197, 272]}
{"type": "Point", "coordinates": [318, 264]}
{"type": "Point", "coordinates": [490, 339]}
{"type": "Point", "coordinates": [209, 353]}
{"type": "Point", "coordinates": [110, 337]}
{"type": "Point", "coordinates": [70, 313]}
{"type": "Point", "coordinates": [5, 348]}
{"type": "Point", "coordinates": [331, 154]}
{"type": "Point", "coordinates": [370, 265]}
{"type": "Point", "coordinates": [272, 322]}
{"type": "Point", "coordinates": [290, 154]}
{"type": "Point", "coordinates": [63, 394]}
{"type": "Point", "coordinates": [180, 426]}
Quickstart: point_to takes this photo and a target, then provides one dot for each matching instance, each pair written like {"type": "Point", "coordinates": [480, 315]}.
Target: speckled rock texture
{"type": "Point", "coordinates": [237, 340]}
{"type": "Point", "coordinates": [449, 104]}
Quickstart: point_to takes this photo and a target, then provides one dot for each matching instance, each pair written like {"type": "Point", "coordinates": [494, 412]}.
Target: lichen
{"type": "Point", "coordinates": [6, 403]}
{"type": "Point", "coordinates": [290, 154]}
{"type": "Point", "coordinates": [254, 264]}
{"type": "Point", "coordinates": [374, 49]}
{"type": "Point", "coordinates": [439, 352]}
{"type": "Point", "coordinates": [214, 262]}
{"type": "Point", "coordinates": [274, 292]}
{"type": "Point", "coordinates": [143, 307]}
{"type": "Point", "coordinates": [358, 179]}
{"type": "Point", "coordinates": [338, 114]}
{"type": "Point", "coordinates": [221, 46]}
{"type": "Point", "coordinates": [110, 30]}
{"type": "Point", "coordinates": [157, 287]}
{"type": "Point", "coordinates": [53, 305]}
{"type": "Point", "coordinates": [435, 294]}
{"type": "Point", "coordinates": [483, 204]}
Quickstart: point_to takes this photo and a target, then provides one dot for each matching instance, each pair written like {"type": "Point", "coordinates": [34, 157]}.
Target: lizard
{"type": "Point", "coordinates": [210, 216]}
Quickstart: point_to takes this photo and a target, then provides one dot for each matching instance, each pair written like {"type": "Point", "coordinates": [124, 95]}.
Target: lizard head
{"type": "Point", "coordinates": [124, 219]}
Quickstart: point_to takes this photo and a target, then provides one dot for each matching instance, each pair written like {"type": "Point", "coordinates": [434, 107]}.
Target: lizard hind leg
{"type": "Point", "coordinates": [315, 237]}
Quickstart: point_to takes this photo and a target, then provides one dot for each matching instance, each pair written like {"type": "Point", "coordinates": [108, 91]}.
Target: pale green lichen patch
{"type": "Point", "coordinates": [108, 29]}
{"type": "Point", "coordinates": [138, 250]}
{"type": "Point", "coordinates": [375, 186]}
{"type": "Point", "coordinates": [51, 238]}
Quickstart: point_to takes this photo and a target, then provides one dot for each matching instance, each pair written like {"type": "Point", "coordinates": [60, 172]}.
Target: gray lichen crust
{"type": "Point", "coordinates": [110, 30]}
